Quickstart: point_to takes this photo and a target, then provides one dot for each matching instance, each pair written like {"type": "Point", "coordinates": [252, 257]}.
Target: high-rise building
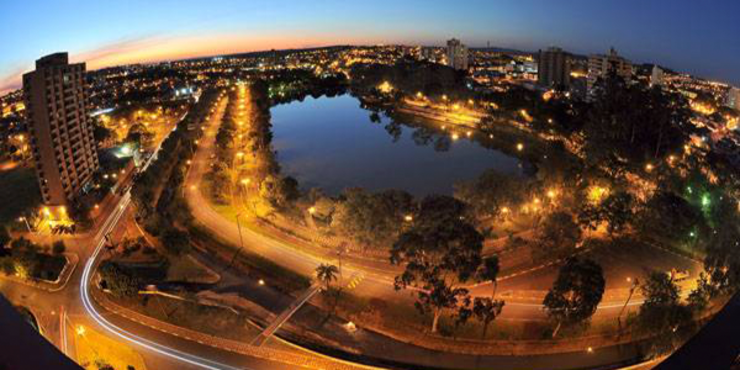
{"type": "Point", "coordinates": [553, 68]}
{"type": "Point", "coordinates": [62, 140]}
{"type": "Point", "coordinates": [656, 78]}
{"type": "Point", "coordinates": [600, 66]}
{"type": "Point", "coordinates": [733, 98]}
{"type": "Point", "coordinates": [457, 55]}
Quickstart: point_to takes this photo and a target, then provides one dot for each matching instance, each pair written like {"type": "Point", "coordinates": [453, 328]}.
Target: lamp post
{"type": "Point", "coordinates": [241, 241]}
{"type": "Point", "coordinates": [635, 284]}
{"type": "Point", "coordinates": [341, 250]}
{"type": "Point", "coordinates": [28, 226]}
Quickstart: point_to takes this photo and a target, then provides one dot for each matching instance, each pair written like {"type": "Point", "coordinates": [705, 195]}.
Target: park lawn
{"type": "Point", "coordinates": [95, 349]}
{"type": "Point", "coordinates": [185, 269]}
{"type": "Point", "coordinates": [19, 192]}
{"type": "Point", "coordinates": [211, 320]}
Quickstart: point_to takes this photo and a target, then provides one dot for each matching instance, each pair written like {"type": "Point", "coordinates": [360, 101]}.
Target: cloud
{"type": "Point", "coordinates": [12, 80]}
{"type": "Point", "coordinates": [157, 48]}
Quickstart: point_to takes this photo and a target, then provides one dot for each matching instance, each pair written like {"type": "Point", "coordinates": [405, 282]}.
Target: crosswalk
{"type": "Point", "coordinates": [355, 280]}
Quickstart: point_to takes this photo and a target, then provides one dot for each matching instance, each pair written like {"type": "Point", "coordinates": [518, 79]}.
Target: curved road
{"type": "Point", "coordinates": [525, 292]}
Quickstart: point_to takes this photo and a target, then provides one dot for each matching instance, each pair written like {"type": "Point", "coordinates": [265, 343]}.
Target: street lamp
{"type": "Point", "coordinates": [241, 241]}
{"type": "Point", "coordinates": [25, 220]}
{"type": "Point", "coordinates": [635, 283]}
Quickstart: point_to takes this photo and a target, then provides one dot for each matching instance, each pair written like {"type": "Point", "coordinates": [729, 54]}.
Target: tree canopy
{"type": "Point", "coordinates": [439, 252]}
{"type": "Point", "coordinates": [576, 292]}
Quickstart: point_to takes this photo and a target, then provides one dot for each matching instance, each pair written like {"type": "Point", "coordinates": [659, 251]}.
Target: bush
{"type": "Point", "coordinates": [119, 281]}
{"type": "Point", "coordinates": [58, 247]}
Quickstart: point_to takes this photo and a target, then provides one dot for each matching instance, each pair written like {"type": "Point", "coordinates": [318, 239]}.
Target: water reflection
{"type": "Point", "coordinates": [334, 143]}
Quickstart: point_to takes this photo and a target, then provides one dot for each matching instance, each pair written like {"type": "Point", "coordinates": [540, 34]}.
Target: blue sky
{"type": "Point", "coordinates": [690, 35]}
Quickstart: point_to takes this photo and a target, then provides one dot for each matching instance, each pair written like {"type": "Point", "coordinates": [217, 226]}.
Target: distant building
{"type": "Point", "coordinates": [62, 140]}
{"type": "Point", "coordinates": [600, 66]}
{"type": "Point", "coordinates": [656, 78]}
{"type": "Point", "coordinates": [457, 55]}
{"type": "Point", "coordinates": [427, 54]}
{"type": "Point", "coordinates": [553, 68]}
{"type": "Point", "coordinates": [732, 99]}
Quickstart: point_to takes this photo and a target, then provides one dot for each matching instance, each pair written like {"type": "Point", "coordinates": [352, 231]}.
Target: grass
{"type": "Point", "coordinates": [95, 349]}
{"type": "Point", "coordinates": [19, 192]}
{"type": "Point", "coordinates": [185, 269]}
{"type": "Point", "coordinates": [255, 265]}
{"type": "Point", "coordinates": [216, 321]}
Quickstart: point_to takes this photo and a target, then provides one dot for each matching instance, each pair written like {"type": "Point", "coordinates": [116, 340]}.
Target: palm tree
{"type": "Point", "coordinates": [326, 274]}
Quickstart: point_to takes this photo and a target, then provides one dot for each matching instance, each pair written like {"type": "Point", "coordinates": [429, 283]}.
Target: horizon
{"type": "Point", "coordinates": [170, 31]}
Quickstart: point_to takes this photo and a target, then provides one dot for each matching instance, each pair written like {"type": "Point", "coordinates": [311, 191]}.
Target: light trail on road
{"type": "Point", "coordinates": [110, 223]}
{"type": "Point", "coordinates": [90, 265]}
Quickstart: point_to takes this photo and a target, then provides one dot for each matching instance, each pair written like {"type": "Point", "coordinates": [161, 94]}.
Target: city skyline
{"type": "Point", "coordinates": [169, 31]}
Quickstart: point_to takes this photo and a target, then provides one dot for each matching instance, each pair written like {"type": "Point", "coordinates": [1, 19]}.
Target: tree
{"type": "Point", "coordinates": [326, 274]}
{"type": "Point", "coordinates": [722, 258]}
{"type": "Point", "coordinates": [631, 124]}
{"type": "Point", "coordinates": [558, 231]}
{"type": "Point", "coordinates": [58, 247]}
{"type": "Point", "coordinates": [176, 241]}
{"type": "Point", "coordinates": [101, 133]}
{"type": "Point", "coordinates": [372, 218]}
{"type": "Point", "coordinates": [120, 282]}
{"type": "Point", "coordinates": [576, 292]}
{"type": "Point", "coordinates": [4, 236]}
{"type": "Point", "coordinates": [670, 217]}
{"type": "Point", "coordinates": [489, 272]}
{"type": "Point", "coordinates": [490, 192]}
{"type": "Point", "coordinates": [662, 312]}
{"type": "Point", "coordinates": [440, 252]}
{"type": "Point", "coordinates": [616, 211]}
{"type": "Point", "coordinates": [486, 310]}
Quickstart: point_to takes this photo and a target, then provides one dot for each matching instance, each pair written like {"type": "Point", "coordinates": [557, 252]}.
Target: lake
{"type": "Point", "coordinates": [332, 143]}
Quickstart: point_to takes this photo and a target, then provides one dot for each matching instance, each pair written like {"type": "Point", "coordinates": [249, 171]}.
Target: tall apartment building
{"type": "Point", "coordinates": [732, 100]}
{"type": "Point", "coordinates": [457, 55]}
{"type": "Point", "coordinates": [657, 76]}
{"type": "Point", "coordinates": [600, 65]}
{"type": "Point", "coordinates": [553, 68]}
{"type": "Point", "coordinates": [61, 134]}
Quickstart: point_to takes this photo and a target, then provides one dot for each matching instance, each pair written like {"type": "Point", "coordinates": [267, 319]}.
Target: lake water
{"type": "Point", "coordinates": [332, 143]}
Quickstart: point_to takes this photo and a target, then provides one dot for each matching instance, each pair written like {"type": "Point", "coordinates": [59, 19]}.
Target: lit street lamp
{"type": "Point", "coordinates": [25, 220]}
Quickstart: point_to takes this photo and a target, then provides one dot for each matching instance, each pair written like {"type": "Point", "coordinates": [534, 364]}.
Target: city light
{"type": "Point", "coordinates": [588, 183]}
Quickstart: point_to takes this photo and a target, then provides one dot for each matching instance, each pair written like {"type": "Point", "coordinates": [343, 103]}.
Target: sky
{"type": "Point", "coordinates": [695, 36]}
